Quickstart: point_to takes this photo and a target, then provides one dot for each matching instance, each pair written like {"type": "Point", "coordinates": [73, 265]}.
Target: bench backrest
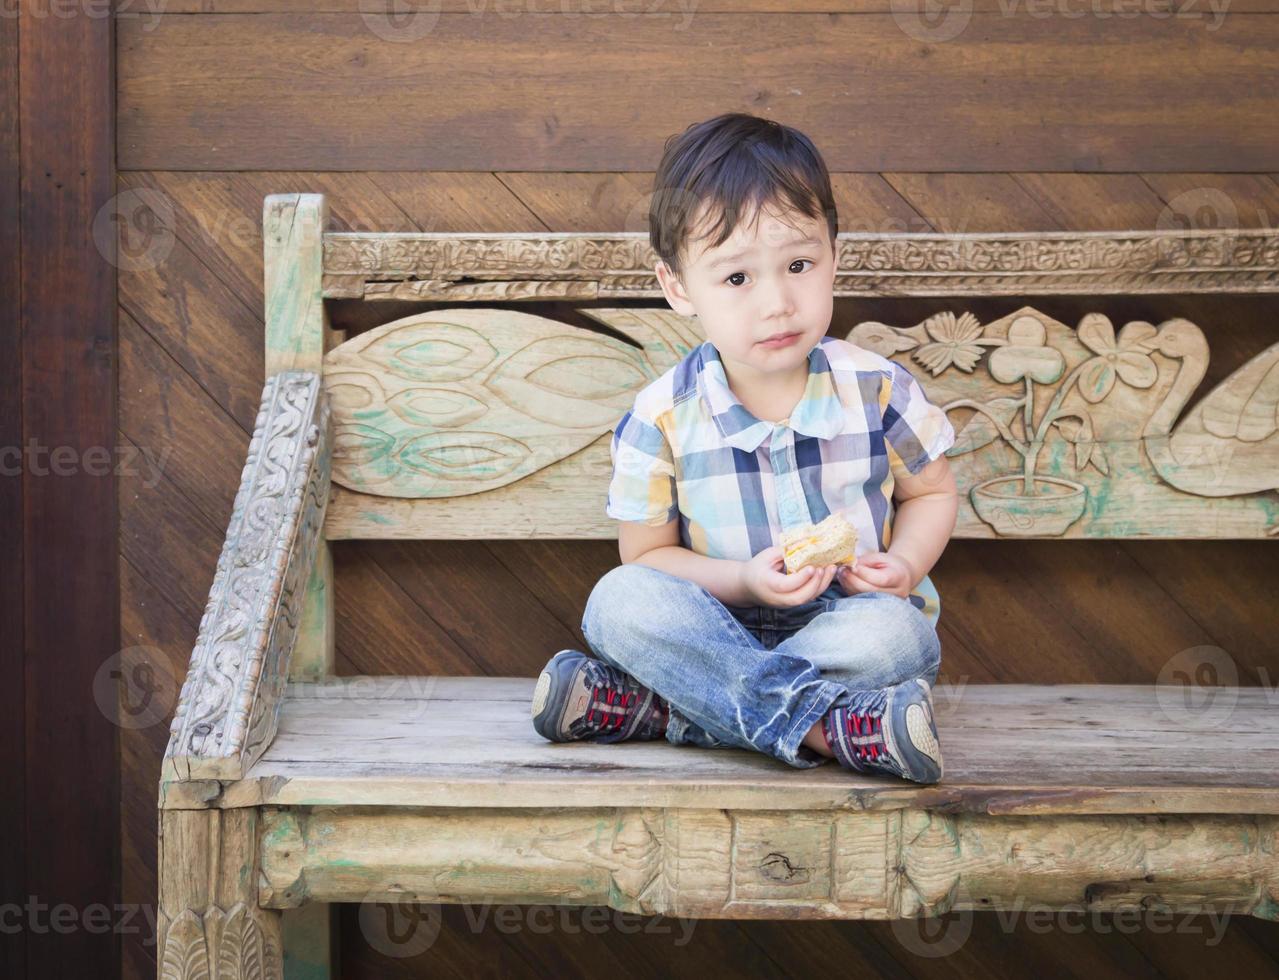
{"type": "Point", "coordinates": [476, 422]}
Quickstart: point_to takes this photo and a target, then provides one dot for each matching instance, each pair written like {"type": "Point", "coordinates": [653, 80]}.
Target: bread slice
{"type": "Point", "coordinates": [831, 542]}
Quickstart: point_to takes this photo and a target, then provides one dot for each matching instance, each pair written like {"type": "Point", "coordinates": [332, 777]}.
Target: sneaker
{"type": "Point", "coordinates": [890, 730]}
{"type": "Point", "coordinates": [580, 698]}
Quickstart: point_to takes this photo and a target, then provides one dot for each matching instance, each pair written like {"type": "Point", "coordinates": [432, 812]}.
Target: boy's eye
{"type": "Point", "coordinates": [792, 267]}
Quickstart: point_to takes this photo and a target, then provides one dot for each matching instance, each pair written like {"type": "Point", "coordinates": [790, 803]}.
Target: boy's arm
{"type": "Point", "coordinates": [659, 547]}
{"type": "Point", "coordinates": [927, 508]}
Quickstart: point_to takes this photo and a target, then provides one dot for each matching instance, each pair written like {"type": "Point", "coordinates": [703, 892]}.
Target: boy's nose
{"type": "Point", "coordinates": [777, 302]}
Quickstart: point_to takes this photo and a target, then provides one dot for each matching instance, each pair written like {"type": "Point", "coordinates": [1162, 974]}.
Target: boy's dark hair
{"type": "Point", "coordinates": [734, 163]}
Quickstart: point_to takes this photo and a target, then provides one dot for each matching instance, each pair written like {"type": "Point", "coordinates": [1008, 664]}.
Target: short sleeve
{"type": "Point", "coordinates": [643, 483]}
{"type": "Point", "coordinates": [915, 430]}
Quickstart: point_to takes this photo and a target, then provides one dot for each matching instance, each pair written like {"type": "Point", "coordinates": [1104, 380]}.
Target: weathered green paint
{"type": "Point", "coordinates": [293, 228]}
{"type": "Point", "coordinates": [279, 832]}
{"type": "Point", "coordinates": [313, 653]}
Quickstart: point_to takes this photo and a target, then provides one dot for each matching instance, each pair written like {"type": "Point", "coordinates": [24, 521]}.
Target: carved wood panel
{"type": "Point", "coordinates": [459, 402]}
{"type": "Point", "coordinates": [511, 267]}
{"type": "Point", "coordinates": [496, 423]}
{"type": "Point", "coordinates": [783, 864]}
{"type": "Point", "coordinates": [230, 700]}
{"type": "Point", "coordinates": [1080, 433]}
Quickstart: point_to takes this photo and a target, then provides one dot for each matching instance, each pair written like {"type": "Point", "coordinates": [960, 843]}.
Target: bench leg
{"type": "Point", "coordinates": [209, 922]}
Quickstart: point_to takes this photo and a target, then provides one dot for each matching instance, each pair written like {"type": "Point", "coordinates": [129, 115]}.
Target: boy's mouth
{"type": "Point", "coordinates": [779, 340]}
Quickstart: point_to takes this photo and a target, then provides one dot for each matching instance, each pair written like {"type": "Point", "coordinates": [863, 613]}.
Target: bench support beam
{"type": "Point", "coordinates": [712, 863]}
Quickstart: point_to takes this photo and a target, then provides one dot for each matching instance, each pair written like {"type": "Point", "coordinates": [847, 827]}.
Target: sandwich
{"type": "Point", "coordinates": [831, 542]}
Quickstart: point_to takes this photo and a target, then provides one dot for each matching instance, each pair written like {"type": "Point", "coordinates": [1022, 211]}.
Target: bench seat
{"type": "Point", "coordinates": [1008, 748]}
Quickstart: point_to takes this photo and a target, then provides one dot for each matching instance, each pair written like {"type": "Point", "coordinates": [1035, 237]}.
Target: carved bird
{"type": "Point", "coordinates": [1229, 442]}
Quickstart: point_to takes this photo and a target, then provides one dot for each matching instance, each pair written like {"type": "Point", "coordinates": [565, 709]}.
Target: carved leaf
{"type": "Point", "coordinates": [980, 430]}
{"type": "Point", "coordinates": [432, 352]}
{"type": "Point", "coordinates": [1098, 458]}
{"type": "Point", "coordinates": [464, 456]}
{"type": "Point", "coordinates": [361, 446]}
{"type": "Point", "coordinates": [351, 391]}
{"type": "Point", "coordinates": [1077, 428]}
{"type": "Point", "coordinates": [566, 381]}
{"type": "Point", "coordinates": [241, 952]}
{"type": "Point", "coordinates": [185, 951]}
{"type": "Point", "coordinates": [1069, 426]}
{"type": "Point", "coordinates": [441, 407]}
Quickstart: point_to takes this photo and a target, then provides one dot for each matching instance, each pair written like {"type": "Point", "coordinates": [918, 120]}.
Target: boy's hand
{"type": "Point", "coordinates": [877, 571]}
{"type": "Point", "coordinates": [765, 578]}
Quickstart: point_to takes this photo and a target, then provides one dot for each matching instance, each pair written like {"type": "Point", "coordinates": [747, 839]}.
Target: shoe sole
{"type": "Point", "coordinates": [919, 734]}
{"type": "Point", "coordinates": [548, 695]}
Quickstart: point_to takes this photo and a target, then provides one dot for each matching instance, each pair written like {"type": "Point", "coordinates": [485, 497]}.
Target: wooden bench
{"type": "Point", "coordinates": [285, 788]}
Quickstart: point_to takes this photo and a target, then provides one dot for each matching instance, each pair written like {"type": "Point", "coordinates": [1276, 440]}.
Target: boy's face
{"type": "Point", "coordinates": [771, 276]}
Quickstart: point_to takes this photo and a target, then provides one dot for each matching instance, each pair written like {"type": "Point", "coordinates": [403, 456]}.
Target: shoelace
{"type": "Point", "coordinates": [860, 723]}
{"type": "Point", "coordinates": [617, 703]}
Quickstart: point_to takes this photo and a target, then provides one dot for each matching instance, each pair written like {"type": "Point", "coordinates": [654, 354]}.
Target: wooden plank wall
{"type": "Point", "coordinates": [505, 120]}
{"type": "Point", "coordinates": [13, 879]}
{"type": "Point", "coordinates": [59, 598]}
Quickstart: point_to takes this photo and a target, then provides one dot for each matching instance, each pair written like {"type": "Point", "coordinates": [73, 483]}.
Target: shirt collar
{"type": "Point", "coordinates": [819, 413]}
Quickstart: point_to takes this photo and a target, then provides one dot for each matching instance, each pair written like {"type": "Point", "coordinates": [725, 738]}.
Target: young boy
{"type": "Point", "coordinates": [770, 424]}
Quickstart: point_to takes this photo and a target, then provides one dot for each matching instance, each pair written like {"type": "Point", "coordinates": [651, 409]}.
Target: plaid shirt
{"type": "Point", "coordinates": [690, 448]}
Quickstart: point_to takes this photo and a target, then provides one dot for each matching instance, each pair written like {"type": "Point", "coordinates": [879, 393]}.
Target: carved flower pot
{"type": "Point", "coordinates": [1055, 505]}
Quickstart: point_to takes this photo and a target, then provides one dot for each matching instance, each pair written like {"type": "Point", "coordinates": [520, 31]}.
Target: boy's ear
{"type": "Point", "coordinates": [673, 290]}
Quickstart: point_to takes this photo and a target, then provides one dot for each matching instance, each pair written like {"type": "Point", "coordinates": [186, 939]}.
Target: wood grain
{"type": "Point", "coordinates": [411, 741]}
{"type": "Point", "coordinates": [241, 90]}
{"type": "Point", "coordinates": [62, 225]}
{"type": "Point", "coordinates": [13, 761]}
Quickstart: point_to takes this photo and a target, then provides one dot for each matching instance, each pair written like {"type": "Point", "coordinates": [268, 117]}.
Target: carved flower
{"type": "Point", "coordinates": [1025, 354]}
{"type": "Point", "coordinates": [1129, 356]}
{"type": "Point", "coordinates": [953, 343]}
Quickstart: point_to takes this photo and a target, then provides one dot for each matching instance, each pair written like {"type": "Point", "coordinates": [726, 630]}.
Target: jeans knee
{"type": "Point", "coordinates": [617, 595]}
{"type": "Point", "coordinates": [910, 627]}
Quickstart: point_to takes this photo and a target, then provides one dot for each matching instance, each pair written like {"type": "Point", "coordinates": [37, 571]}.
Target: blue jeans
{"type": "Point", "coordinates": [754, 677]}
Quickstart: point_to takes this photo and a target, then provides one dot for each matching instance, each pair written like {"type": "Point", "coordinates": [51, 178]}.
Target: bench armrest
{"type": "Point", "coordinates": [230, 701]}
